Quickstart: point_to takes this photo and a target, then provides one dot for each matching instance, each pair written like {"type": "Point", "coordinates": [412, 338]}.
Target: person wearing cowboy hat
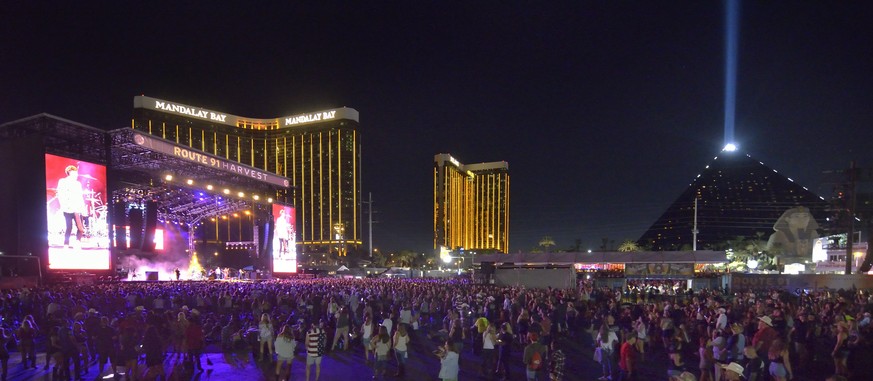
{"type": "Point", "coordinates": [721, 321]}
{"type": "Point", "coordinates": [764, 337]}
{"type": "Point", "coordinates": [684, 376]}
{"type": "Point", "coordinates": [732, 371]}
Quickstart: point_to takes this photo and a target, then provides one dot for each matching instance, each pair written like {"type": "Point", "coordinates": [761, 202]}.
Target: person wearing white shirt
{"type": "Point", "coordinates": [366, 336]}
{"type": "Point", "coordinates": [608, 340]}
{"type": "Point", "coordinates": [71, 198]}
{"type": "Point", "coordinates": [401, 339]}
{"type": "Point", "coordinates": [722, 321]}
{"type": "Point", "coordinates": [719, 352]}
{"type": "Point", "coordinates": [388, 323]}
{"type": "Point", "coordinates": [284, 347]}
{"type": "Point", "coordinates": [448, 362]}
{"type": "Point", "coordinates": [405, 315]}
{"type": "Point", "coordinates": [489, 339]}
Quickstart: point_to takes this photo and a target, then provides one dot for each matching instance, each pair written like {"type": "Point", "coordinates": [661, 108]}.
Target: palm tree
{"type": "Point", "coordinates": [546, 243]}
{"type": "Point", "coordinates": [628, 246]}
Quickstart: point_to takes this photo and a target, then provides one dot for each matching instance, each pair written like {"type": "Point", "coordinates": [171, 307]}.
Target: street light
{"type": "Point", "coordinates": [752, 263]}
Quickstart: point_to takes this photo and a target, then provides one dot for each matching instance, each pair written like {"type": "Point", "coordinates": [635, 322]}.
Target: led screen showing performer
{"type": "Point", "coordinates": [78, 236]}
{"type": "Point", "coordinates": [284, 239]}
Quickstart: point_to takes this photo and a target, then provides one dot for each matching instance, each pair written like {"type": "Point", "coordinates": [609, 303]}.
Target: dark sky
{"type": "Point", "coordinates": [605, 111]}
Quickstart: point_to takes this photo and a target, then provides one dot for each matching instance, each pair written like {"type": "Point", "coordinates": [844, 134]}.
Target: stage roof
{"type": "Point", "coordinates": [700, 256]}
{"type": "Point", "coordinates": [141, 175]}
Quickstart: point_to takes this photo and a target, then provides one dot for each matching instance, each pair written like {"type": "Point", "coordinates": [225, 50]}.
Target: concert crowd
{"type": "Point", "coordinates": [130, 328]}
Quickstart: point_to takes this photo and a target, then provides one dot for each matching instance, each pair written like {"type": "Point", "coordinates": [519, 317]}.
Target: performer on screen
{"type": "Point", "coordinates": [72, 200]}
{"type": "Point", "coordinates": [283, 233]}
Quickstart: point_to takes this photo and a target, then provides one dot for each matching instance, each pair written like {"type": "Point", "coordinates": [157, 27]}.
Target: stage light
{"type": "Point", "coordinates": [168, 177]}
{"type": "Point", "coordinates": [256, 197]}
{"type": "Point", "coordinates": [241, 194]}
{"type": "Point", "coordinates": [223, 217]}
{"type": "Point", "coordinates": [235, 215]}
{"type": "Point", "coordinates": [190, 182]}
{"type": "Point", "coordinates": [216, 253]}
{"type": "Point", "coordinates": [730, 147]}
{"type": "Point", "coordinates": [209, 187]}
{"type": "Point", "coordinates": [226, 191]}
{"type": "Point", "coordinates": [212, 219]}
{"type": "Point", "coordinates": [248, 213]}
{"type": "Point", "coordinates": [269, 199]}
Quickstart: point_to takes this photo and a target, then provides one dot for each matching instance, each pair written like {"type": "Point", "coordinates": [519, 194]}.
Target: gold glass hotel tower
{"type": "Point", "coordinates": [471, 205]}
{"type": "Point", "coordinates": [320, 152]}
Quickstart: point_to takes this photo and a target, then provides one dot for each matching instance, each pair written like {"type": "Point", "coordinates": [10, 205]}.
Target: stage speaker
{"type": "Point", "coordinates": [487, 268]}
{"type": "Point", "coordinates": [151, 223]}
{"type": "Point", "coordinates": [135, 218]}
{"type": "Point", "coordinates": [151, 275]}
{"type": "Point", "coordinates": [119, 221]}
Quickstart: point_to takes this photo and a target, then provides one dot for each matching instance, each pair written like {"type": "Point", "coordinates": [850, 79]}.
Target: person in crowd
{"type": "Point", "coordinates": [71, 355]}
{"type": "Point", "coordinates": [607, 341]}
{"type": "Point", "coordinates": [719, 352]}
{"type": "Point", "coordinates": [628, 358]}
{"type": "Point", "coordinates": [284, 346]}
{"type": "Point", "coordinates": [367, 329]}
{"type": "Point", "coordinates": [556, 362]}
{"type": "Point", "coordinates": [676, 361]}
{"type": "Point", "coordinates": [27, 346]}
{"type": "Point", "coordinates": [153, 348]}
{"type": "Point", "coordinates": [732, 371]}
{"type": "Point", "coordinates": [53, 351]}
{"type": "Point", "coordinates": [179, 328]}
{"type": "Point", "coordinates": [449, 357]}
{"type": "Point", "coordinates": [534, 359]}
{"type": "Point", "coordinates": [780, 363]}
{"type": "Point", "coordinates": [105, 338]}
{"type": "Point", "coordinates": [129, 350]}
{"type": "Point", "coordinates": [764, 337]}
{"type": "Point", "coordinates": [5, 338]}
{"type": "Point", "coordinates": [736, 343]}
{"type": "Point", "coordinates": [841, 349]}
{"type": "Point", "coordinates": [80, 338]}
{"type": "Point", "coordinates": [315, 343]}
{"type": "Point", "coordinates": [381, 346]}
{"type": "Point", "coordinates": [341, 317]}
{"type": "Point", "coordinates": [457, 334]}
{"type": "Point", "coordinates": [194, 339]}
{"type": "Point", "coordinates": [489, 345]}
{"type": "Point", "coordinates": [706, 360]}
{"type": "Point", "coordinates": [753, 365]}
{"type": "Point", "coordinates": [265, 337]}
{"type": "Point", "coordinates": [401, 349]}
{"type": "Point", "coordinates": [504, 344]}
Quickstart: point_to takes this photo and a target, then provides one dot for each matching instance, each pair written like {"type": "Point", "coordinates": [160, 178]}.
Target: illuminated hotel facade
{"type": "Point", "coordinates": [319, 152]}
{"type": "Point", "coordinates": [471, 205]}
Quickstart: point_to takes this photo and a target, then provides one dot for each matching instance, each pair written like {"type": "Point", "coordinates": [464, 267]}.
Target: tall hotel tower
{"type": "Point", "coordinates": [471, 205]}
{"type": "Point", "coordinates": [320, 152]}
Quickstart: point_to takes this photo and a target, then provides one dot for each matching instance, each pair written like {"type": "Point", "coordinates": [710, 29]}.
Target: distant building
{"type": "Point", "coordinates": [320, 152]}
{"type": "Point", "coordinates": [471, 205]}
{"type": "Point", "coordinates": [737, 197]}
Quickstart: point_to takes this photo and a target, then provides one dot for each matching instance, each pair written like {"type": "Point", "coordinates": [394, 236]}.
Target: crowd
{"type": "Point", "coordinates": [707, 335]}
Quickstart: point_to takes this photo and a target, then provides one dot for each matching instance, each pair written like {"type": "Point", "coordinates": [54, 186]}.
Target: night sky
{"type": "Point", "coordinates": [605, 111]}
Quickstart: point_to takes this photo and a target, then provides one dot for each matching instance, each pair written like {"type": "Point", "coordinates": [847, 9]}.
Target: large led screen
{"type": "Point", "coordinates": [78, 230]}
{"type": "Point", "coordinates": [284, 243]}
